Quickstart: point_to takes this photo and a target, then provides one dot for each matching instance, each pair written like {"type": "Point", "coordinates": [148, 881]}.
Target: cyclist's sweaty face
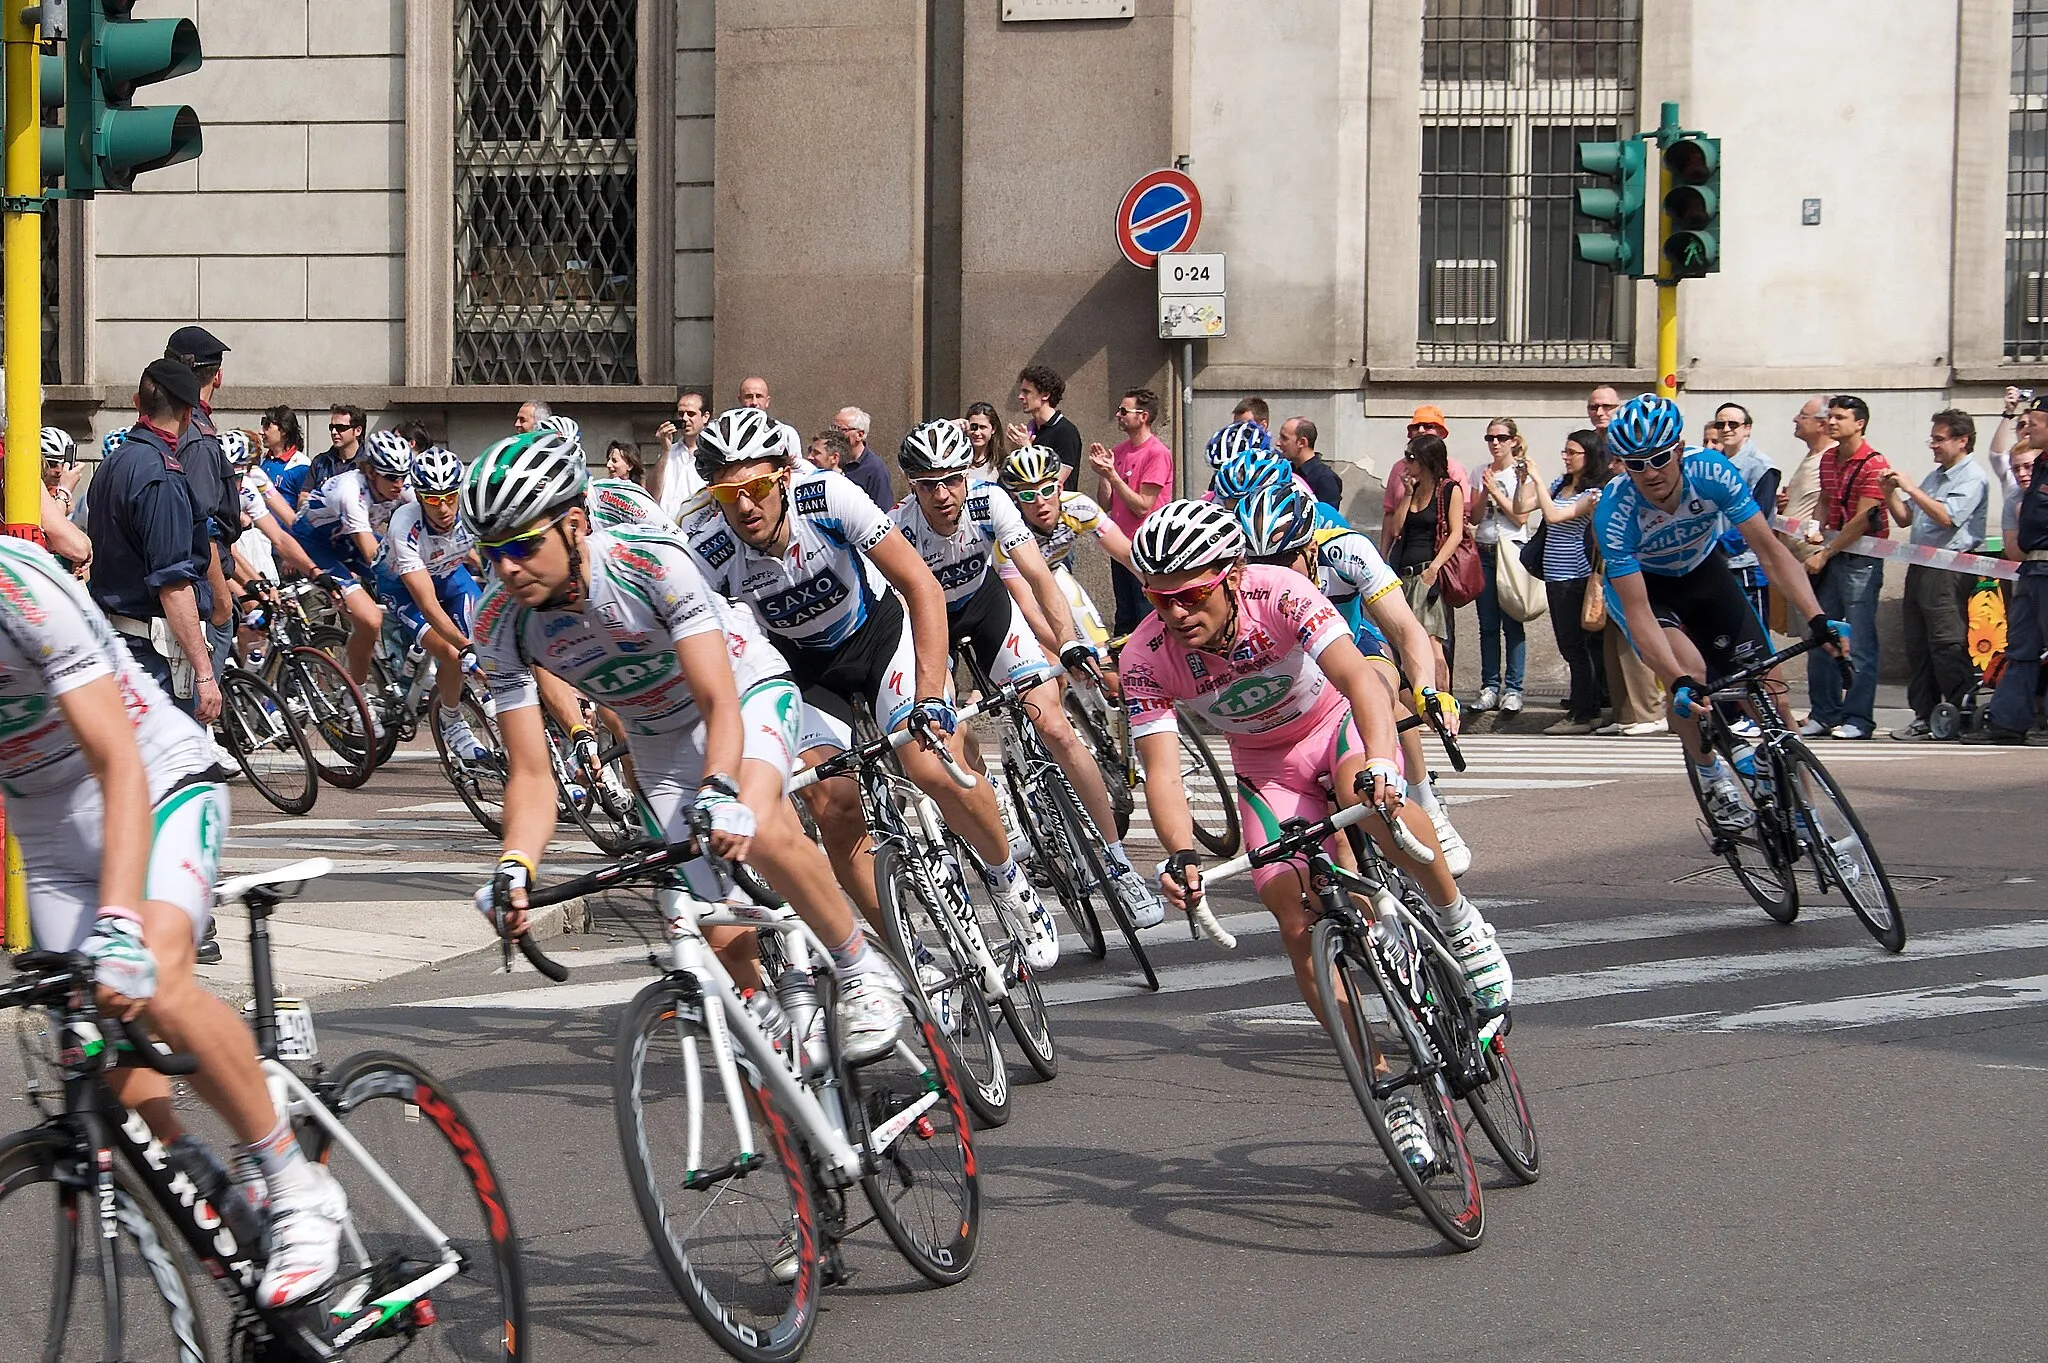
{"type": "Point", "coordinates": [940, 498]}
{"type": "Point", "coordinates": [756, 520]}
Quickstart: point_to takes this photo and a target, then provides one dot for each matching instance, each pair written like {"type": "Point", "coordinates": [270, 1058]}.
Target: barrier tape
{"type": "Point", "coordinates": [1982, 565]}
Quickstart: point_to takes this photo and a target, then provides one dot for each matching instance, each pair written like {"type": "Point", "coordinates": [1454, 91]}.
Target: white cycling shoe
{"type": "Point", "coordinates": [1041, 937]}
{"type": "Point", "coordinates": [1727, 809]}
{"type": "Point", "coordinates": [872, 1013]}
{"type": "Point", "coordinates": [305, 1236]}
{"type": "Point", "coordinates": [461, 739]}
{"type": "Point", "coordinates": [1140, 901]}
{"type": "Point", "coordinates": [943, 1002]}
{"type": "Point", "coordinates": [1457, 856]}
{"type": "Point", "coordinates": [1487, 976]}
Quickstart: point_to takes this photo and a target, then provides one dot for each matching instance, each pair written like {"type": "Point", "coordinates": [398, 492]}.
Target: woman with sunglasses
{"type": "Point", "coordinates": [1412, 532]}
{"type": "Point", "coordinates": [846, 597]}
{"type": "Point", "coordinates": [1268, 661]}
{"type": "Point", "coordinates": [1500, 528]}
{"type": "Point", "coordinates": [1668, 580]}
{"type": "Point", "coordinates": [707, 703]}
{"type": "Point", "coordinates": [1567, 507]}
{"type": "Point", "coordinates": [425, 576]}
{"type": "Point", "coordinates": [960, 532]}
{"type": "Point", "coordinates": [985, 433]}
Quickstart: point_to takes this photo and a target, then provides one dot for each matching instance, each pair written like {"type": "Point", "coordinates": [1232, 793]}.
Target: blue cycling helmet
{"type": "Point", "coordinates": [1239, 437]}
{"type": "Point", "coordinates": [1243, 476]}
{"type": "Point", "coordinates": [1644, 425]}
{"type": "Point", "coordinates": [1278, 520]}
{"type": "Point", "coordinates": [113, 440]}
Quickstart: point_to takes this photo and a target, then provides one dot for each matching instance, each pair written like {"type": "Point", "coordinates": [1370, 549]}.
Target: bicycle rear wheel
{"type": "Point", "coordinates": [1755, 854]}
{"type": "Point", "coordinates": [49, 1247]}
{"type": "Point", "coordinates": [267, 742]}
{"type": "Point", "coordinates": [1091, 858]}
{"type": "Point", "coordinates": [1023, 1007]}
{"type": "Point", "coordinates": [480, 782]}
{"type": "Point", "coordinates": [409, 1123]}
{"type": "Point", "coordinates": [737, 1235]}
{"type": "Point", "coordinates": [331, 710]}
{"type": "Point", "coordinates": [1201, 776]}
{"type": "Point", "coordinates": [931, 951]}
{"type": "Point", "coordinates": [1446, 1188]}
{"type": "Point", "coordinates": [383, 696]}
{"type": "Point", "coordinates": [924, 1187]}
{"type": "Point", "coordinates": [1843, 854]}
{"type": "Point", "coordinates": [1057, 866]}
{"type": "Point", "coordinates": [1107, 746]}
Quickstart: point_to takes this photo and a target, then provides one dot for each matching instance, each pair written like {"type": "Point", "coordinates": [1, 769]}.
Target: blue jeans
{"type": "Point", "coordinates": [2026, 635]}
{"type": "Point", "coordinates": [1847, 588]}
{"type": "Point", "coordinates": [1496, 624]}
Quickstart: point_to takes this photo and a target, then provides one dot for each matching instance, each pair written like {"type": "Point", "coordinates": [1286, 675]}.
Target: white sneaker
{"type": "Point", "coordinates": [460, 738]}
{"type": "Point", "coordinates": [1487, 976]}
{"type": "Point", "coordinates": [1645, 728]}
{"type": "Point", "coordinates": [1489, 696]}
{"type": "Point", "coordinates": [1041, 938]}
{"type": "Point", "coordinates": [1404, 1123]}
{"type": "Point", "coordinates": [1726, 807]}
{"type": "Point", "coordinates": [1511, 703]}
{"type": "Point", "coordinates": [1138, 898]}
{"type": "Point", "coordinates": [305, 1236]}
{"type": "Point", "coordinates": [1745, 727]}
{"type": "Point", "coordinates": [1813, 728]}
{"type": "Point", "coordinates": [1849, 728]}
{"type": "Point", "coordinates": [1457, 855]}
{"type": "Point", "coordinates": [1609, 730]}
{"type": "Point", "coordinates": [871, 1011]}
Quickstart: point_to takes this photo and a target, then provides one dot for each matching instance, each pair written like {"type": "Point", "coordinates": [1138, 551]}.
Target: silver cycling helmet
{"type": "Point", "coordinates": [936, 447]}
{"type": "Point", "coordinates": [1182, 536]}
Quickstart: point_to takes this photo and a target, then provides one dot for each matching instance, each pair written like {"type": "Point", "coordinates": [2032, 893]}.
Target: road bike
{"type": "Point", "coordinates": [1062, 842]}
{"type": "Point", "coordinates": [934, 927]}
{"type": "Point", "coordinates": [1376, 941]}
{"type": "Point", "coordinates": [1099, 718]}
{"type": "Point", "coordinates": [94, 1206]}
{"type": "Point", "coordinates": [314, 685]}
{"type": "Point", "coordinates": [595, 786]}
{"type": "Point", "coordinates": [1800, 813]}
{"type": "Point", "coordinates": [744, 1126]}
{"type": "Point", "coordinates": [257, 726]}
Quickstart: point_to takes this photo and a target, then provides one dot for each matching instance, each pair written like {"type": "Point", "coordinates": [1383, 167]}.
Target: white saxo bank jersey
{"type": "Point", "coordinates": [990, 527]}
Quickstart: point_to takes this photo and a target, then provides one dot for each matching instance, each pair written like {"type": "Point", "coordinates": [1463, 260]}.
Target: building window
{"type": "Point", "coordinates": [52, 295]}
{"type": "Point", "coordinates": [1508, 88]}
{"type": "Point", "coordinates": [545, 177]}
{"type": "Point", "coordinates": [2026, 186]}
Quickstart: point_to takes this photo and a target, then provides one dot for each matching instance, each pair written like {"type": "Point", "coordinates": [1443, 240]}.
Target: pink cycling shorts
{"type": "Point", "coordinates": [1290, 780]}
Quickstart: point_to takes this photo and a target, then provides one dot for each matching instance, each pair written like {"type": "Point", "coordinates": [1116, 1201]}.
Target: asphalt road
{"type": "Point", "coordinates": [1759, 1142]}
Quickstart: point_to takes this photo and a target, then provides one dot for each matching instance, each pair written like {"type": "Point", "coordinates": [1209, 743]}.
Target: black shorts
{"type": "Point", "coordinates": [871, 665]}
{"type": "Point", "coordinates": [982, 622]}
{"type": "Point", "coordinates": [1709, 606]}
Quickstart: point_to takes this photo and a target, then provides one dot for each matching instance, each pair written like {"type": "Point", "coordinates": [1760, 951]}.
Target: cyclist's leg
{"type": "Point", "coordinates": [1267, 796]}
{"type": "Point", "coordinates": [835, 804]}
{"type": "Point", "coordinates": [1013, 655]}
{"type": "Point", "coordinates": [970, 813]}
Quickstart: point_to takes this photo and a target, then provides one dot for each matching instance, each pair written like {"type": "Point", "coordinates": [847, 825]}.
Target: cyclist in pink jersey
{"type": "Point", "coordinates": [1265, 658]}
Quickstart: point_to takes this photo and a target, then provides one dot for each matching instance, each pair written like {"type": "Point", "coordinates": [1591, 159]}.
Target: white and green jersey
{"type": "Point", "coordinates": [618, 648]}
{"type": "Point", "coordinates": [54, 640]}
{"type": "Point", "coordinates": [617, 502]}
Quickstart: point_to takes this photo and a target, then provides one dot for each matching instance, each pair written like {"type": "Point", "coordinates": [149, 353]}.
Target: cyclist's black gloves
{"type": "Point", "coordinates": [1076, 656]}
{"type": "Point", "coordinates": [1823, 631]}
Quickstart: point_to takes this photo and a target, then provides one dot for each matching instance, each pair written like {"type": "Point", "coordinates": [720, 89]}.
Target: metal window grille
{"type": "Point", "coordinates": [2026, 185]}
{"type": "Point", "coordinates": [546, 170]}
{"type": "Point", "coordinates": [1508, 88]}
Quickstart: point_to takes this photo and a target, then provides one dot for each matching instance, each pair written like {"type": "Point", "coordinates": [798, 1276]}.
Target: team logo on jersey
{"type": "Point", "coordinates": [21, 713]}
{"type": "Point", "coordinates": [964, 573]}
{"type": "Point", "coordinates": [559, 624]}
{"type": "Point", "coordinates": [810, 498]}
{"type": "Point", "coordinates": [1252, 647]}
{"type": "Point", "coordinates": [717, 551]}
{"type": "Point", "coordinates": [629, 676]}
{"type": "Point", "coordinates": [1196, 667]}
{"type": "Point", "coordinates": [802, 604]}
{"type": "Point", "coordinates": [16, 594]}
{"type": "Point", "coordinates": [611, 613]}
{"type": "Point", "coordinates": [637, 560]}
{"type": "Point", "coordinates": [977, 506]}
{"type": "Point", "coordinates": [1251, 696]}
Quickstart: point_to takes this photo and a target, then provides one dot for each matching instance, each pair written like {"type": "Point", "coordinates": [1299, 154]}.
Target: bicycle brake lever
{"type": "Point", "coordinates": [1403, 839]}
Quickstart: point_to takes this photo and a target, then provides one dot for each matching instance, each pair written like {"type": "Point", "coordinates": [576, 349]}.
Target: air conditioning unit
{"type": "Point", "coordinates": [1466, 293]}
{"type": "Point", "coordinates": [2037, 297]}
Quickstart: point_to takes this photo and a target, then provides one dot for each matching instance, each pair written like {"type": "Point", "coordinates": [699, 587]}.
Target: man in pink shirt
{"type": "Point", "coordinates": [1134, 479]}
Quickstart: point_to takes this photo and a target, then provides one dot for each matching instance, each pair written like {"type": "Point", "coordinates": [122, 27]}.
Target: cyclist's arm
{"type": "Point", "coordinates": [99, 720]}
{"type": "Point", "coordinates": [290, 554]}
{"type": "Point", "coordinates": [707, 671]}
{"type": "Point", "coordinates": [529, 781]}
{"type": "Point", "coordinates": [925, 603]}
{"type": "Point", "coordinates": [1165, 798]}
{"type": "Point", "coordinates": [420, 583]}
{"type": "Point", "coordinates": [1397, 622]}
{"type": "Point", "coordinates": [1115, 543]}
{"type": "Point", "coordinates": [559, 697]}
{"type": "Point", "coordinates": [1050, 617]}
{"type": "Point", "coordinates": [1781, 568]}
{"type": "Point", "coordinates": [1643, 630]}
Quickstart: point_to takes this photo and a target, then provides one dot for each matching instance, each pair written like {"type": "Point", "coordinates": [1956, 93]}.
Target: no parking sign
{"type": "Point", "coordinates": [1159, 215]}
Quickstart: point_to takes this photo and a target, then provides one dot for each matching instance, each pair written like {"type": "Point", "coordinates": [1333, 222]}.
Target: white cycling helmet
{"type": "Point", "coordinates": [236, 447]}
{"type": "Point", "coordinates": [390, 454]}
{"type": "Point", "coordinates": [936, 447]}
{"type": "Point", "coordinates": [1182, 536]}
{"type": "Point", "coordinates": [561, 425]}
{"type": "Point", "coordinates": [1239, 437]}
{"type": "Point", "coordinates": [435, 470]}
{"type": "Point", "coordinates": [58, 446]}
{"type": "Point", "coordinates": [521, 479]}
{"type": "Point", "coordinates": [739, 435]}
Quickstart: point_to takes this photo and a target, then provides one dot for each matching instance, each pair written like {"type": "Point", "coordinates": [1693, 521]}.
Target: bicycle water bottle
{"type": "Point", "coordinates": [1758, 777]}
{"type": "Point", "coordinates": [198, 1163]}
{"type": "Point", "coordinates": [768, 1013]}
{"type": "Point", "coordinates": [799, 999]}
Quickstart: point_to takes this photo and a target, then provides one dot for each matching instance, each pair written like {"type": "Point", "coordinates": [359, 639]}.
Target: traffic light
{"type": "Point", "coordinates": [1620, 248]}
{"type": "Point", "coordinates": [107, 139]}
{"type": "Point", "coordinates": [1693, 206]}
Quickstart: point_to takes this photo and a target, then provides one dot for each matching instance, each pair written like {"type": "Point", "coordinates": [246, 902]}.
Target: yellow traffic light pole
{"type": "Point", "coordinates": [1667, 285]}
{"type": "Point", "coordinates": [21, 336]}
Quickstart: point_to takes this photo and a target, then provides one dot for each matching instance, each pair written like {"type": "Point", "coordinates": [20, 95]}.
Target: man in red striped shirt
{"type": "Point", "coordinates": [1852, 499]}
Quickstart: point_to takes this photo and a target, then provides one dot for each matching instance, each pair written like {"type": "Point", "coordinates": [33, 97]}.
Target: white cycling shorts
{"type": "Point", "coordinates": [61, 838]}
{"type": "Point", "coordinates": [670, 766]}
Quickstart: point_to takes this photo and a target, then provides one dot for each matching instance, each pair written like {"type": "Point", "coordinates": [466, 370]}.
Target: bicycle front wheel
{"type": "Point", "coordinates": [49, 1248]}
{"type": "Point", "coordinates": [411, 1126]}
{"type": "Point", "coordinates": [923, 1186]}
{"type": "Point", "coordinates": [1445, 1185]}
{"type": "Point", "coordinates": [736, 1231]}
{"type": "Point", "coordinates": [1755, 854]}
{"type": "Point", "coordinates": [1211, 801]}
{"type": "Point", "coordinates": [268, 744]}
{"type": "Point", "coordinates": [1097, 728]}
{"type": "Point", "coordinates": [1090, 858]}
{"type": "Point", "coordinates": [931, 949]}
{"type": "Point", "coordinates": [480, 782]}
{"type": "Point", "coordinates": [331, 710]}
{"type": "Point", "coordinates": [1842, 852]}
{"type": "Point", "coordinates": [1053, 860]}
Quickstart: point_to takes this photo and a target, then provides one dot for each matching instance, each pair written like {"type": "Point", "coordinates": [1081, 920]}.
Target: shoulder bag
{"type": "Point", "coordinates": [1462, 578]}
{"type": "Point", "coordinates": [1593, 615]}
{"type": "Point", "coordinates": [1520, 591]}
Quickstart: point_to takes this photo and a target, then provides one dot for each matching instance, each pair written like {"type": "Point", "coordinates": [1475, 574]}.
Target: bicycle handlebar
{"type": "Point", "coordinates": [134, 1038]}
{"type": "Point", "coordinates": [1737, 682]}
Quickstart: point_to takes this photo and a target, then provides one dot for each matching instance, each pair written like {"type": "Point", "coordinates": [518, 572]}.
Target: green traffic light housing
{"type": "Point", "coordinates": [1619, 204]}
{"type": "Point", "coordinates": [107, 140]}
{"type": "Point", "coordinates": [1692, 207]}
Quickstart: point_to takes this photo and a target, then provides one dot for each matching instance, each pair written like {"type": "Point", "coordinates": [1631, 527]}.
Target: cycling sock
{"type": "Point", "coordinates": [1455, 917]}
{"type": "Point", "coordinates": [851, 954]}
{"type": "Point", "coordinates": [447, 714]}
{"type": "Point", "coordinates": [1004, 874]}
{"type": "Point", "coordinates": [1424, 794]}
{"type": "Point", "coordinates": [1118, 857]}
{"type": "Point", "coordinates": [283, 1162]}
{"type": "Point", "coordinates": [1715, 770]}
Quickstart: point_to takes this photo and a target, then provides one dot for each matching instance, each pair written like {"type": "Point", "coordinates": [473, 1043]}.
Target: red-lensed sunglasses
{"type": "Point", "coordinates": [1190, 597]}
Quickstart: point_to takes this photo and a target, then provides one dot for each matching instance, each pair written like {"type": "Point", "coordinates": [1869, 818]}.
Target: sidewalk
{"type": "Point", "coordinates": [1546, 707]}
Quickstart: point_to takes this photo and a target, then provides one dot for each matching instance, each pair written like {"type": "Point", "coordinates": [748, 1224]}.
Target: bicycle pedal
{"type": "Point", "coordinates": [836, 1273]}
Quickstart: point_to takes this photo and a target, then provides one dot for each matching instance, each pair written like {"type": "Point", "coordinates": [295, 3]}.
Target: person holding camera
{"type": "Point", "coordinates": [1852, 505]}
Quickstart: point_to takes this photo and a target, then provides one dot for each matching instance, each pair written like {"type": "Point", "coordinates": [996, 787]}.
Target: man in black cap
{"type": "Point", "coordinates": [216, 488]}
{"type": "Point", "coordinates": [150, 543]}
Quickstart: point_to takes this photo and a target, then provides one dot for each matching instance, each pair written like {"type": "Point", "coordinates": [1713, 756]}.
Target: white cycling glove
{"type": "Point", "coordinates": [119, 959]}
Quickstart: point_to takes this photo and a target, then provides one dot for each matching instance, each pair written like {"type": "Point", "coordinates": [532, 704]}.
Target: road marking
{"type": "Point", "coordinates": [1864, 1010]}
